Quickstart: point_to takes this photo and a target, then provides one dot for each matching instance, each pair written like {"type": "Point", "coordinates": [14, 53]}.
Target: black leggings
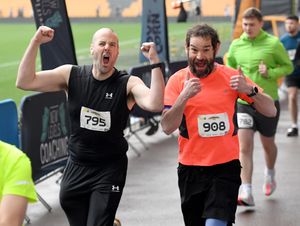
{"type": "Point", "coordinates": [90, 196]}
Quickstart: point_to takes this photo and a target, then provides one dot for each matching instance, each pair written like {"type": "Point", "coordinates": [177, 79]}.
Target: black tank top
{"type": "Point", "coordinates": [98, 116]}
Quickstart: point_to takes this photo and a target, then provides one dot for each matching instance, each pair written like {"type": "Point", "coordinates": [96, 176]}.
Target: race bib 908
{"type": "Point", "coordinates": [213, 125]}
{"type": "Point", "coordinates": [95, 120]}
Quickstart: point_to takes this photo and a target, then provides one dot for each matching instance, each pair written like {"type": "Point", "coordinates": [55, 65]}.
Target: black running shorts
{"type": "Point", "coordinates": [90, 195]}
{"type": "Point", "coordinates": [292, 81]}
{"type": "Point", "coordinates": [249, 118]}
{"type": "Point", "coordinates": [209, 192]}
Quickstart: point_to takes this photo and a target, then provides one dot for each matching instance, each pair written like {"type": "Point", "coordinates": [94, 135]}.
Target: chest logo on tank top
{"type": "Point", "coordinates": [109, 96]}
{"type": "Point", "coordinates": [95, 120]}
{"type": "Point", "coordinates": [213, 125]}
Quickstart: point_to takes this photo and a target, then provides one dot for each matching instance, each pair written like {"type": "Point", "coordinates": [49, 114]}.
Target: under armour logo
{"type": "Point", "coordinates": [115, 188]}
{"type": "Point", "coordinates": [109, 96]}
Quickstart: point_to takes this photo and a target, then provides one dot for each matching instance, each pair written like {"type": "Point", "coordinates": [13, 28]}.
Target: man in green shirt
{"type": "Point", "coordinates": [264, 60]}
{"type": "Point", "coordinates": [16, 185]}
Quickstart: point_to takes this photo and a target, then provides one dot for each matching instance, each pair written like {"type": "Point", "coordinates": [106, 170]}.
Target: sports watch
{"type": "Point", "coordinates": [254, 91]}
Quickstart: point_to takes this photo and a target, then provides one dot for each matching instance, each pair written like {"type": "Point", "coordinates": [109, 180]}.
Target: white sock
{"type": "Point", "coordinates": [247, 188]}
{"type": "Point", "coordinates": [294, 125]}
{"type": "Point", "coordinates": [269, 172]}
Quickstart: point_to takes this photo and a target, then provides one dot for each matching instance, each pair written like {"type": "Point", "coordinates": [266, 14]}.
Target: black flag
{"type": "Point", "coordinates": [53, 13]}
{"type": "Point", "coordinates": [155, 27]}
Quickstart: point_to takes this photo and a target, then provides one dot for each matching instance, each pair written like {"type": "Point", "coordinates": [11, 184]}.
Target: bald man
{"type": "Point", "coordinates": [99, 100]}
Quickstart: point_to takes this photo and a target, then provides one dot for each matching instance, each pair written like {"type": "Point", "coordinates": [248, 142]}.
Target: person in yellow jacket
{"type": "Point", "coordinates": [16, 185]}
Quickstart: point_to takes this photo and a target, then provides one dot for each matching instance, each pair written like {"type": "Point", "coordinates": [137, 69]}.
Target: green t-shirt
{"type": "Point", "coordinates": [248, 54]}
{"type": "Point", "coordinates": [15, 173]}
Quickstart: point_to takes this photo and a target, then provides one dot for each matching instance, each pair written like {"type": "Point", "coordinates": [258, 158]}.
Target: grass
{"type": "Point", "coordinates": [15, 38]}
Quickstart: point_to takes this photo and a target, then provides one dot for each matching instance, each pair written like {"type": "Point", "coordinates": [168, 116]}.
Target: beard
{"type": "Point", "coordinates": [207, 65]}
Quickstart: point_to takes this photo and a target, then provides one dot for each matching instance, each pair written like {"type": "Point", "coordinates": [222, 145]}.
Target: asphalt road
{"type": "Point", "coordinates": [151, 196]}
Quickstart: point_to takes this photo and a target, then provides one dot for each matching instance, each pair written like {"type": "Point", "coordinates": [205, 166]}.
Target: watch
{"type": "Point", "coordinates": [254, 91]}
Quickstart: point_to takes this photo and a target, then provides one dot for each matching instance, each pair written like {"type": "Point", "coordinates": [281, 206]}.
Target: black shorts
{"type": "Point", "coordinates": [90, 195]}
{"type": "Point", "coordinates": [209, 192]}
{"type": "Point", "coordinates": [292, 81]}
{"type": "Point", "coordinates": [249, 118]}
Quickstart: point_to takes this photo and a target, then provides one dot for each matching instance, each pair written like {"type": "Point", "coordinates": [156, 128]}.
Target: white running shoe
{"type": "Point", "coordinates": [245, 199]}
{"type": "Point", "coordinates": [269, 185]}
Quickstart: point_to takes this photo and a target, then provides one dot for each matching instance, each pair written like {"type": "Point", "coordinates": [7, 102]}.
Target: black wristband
{"type": "Point", "coordinates": [156, 65]}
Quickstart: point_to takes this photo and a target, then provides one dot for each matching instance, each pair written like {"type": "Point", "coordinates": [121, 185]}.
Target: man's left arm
{"type": "Point", "coordinates": [264, 104]}
{"type": "Point", "coordinates": [253, 94]}
{"type": "Point", "coordinates": [284, 64]}
{"type": "Point", "coordinates": [150, 99]}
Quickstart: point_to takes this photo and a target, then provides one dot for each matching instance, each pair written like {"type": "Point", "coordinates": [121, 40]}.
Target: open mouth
{"type": "Point", "coordinates": [105, 58]}
{"type": "Point", "coordinates": [201, 64]}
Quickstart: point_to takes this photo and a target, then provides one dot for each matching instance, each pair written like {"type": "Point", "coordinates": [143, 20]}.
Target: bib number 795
{"type": "Point", "coordinates": [95, 120]}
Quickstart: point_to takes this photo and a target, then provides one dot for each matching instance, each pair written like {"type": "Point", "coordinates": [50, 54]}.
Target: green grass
{"type": "Point", "coordinates": [15, 37]}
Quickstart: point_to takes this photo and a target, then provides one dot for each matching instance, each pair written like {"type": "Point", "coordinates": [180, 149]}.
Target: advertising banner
{"type": "Point", "coordinates": [45, 131]}
{"type": "Point", "coordinates": [155, 28]}
{"type": "Point", "coordinates": [53, 13]}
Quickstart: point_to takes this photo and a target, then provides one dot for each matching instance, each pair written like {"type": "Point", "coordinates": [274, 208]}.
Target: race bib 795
{"type": "Point", "coordinates": [95, 120]}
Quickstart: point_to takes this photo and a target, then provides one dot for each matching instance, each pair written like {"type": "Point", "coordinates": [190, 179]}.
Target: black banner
{"type": "Point", "coordinates": [53, 13]}
{"type": "Point", "coordinates": [155, 28]}
{"type": "Point", "coordinates": [45, 131]}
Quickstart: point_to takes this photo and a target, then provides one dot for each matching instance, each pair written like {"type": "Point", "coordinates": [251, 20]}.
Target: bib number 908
{"type": "Point", "coordinates": [213, 125]}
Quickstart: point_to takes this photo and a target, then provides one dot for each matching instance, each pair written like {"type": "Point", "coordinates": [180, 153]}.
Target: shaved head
{"type": "Point", "coordinates": [104, 50]}
{"type": "Point", "coordinates": [104, 31]}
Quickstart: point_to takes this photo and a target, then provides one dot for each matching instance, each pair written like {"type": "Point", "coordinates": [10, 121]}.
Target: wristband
{"type": "Point", "coordinates": [254, 91]}
{"type": "Point", "coordinates": [152, 66]}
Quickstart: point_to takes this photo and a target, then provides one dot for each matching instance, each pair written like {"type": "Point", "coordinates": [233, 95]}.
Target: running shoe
{"type": "Point", "coordinates": [117, 222]}
{"type": "Point", "coordinates": [245, 199]}
{"type": "Point", "coordinates": [292, 132]}
{"type": "Point", "coordinates": [269, 185]}
{"type": "Point", "coordinates": [153, 127]}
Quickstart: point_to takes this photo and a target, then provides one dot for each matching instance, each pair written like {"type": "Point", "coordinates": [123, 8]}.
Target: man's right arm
{"type": "Point", "coordinates": [171, 118]}
{"type": "Point", "coordinates": [43, 81]}
{"type": "Point", "coordinates": [230, 59]}
{"type": "Point", "coordinates": [12, 210]}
